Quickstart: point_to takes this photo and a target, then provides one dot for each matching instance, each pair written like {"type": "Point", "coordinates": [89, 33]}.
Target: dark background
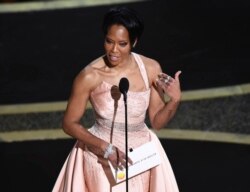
{"type": "Point", "coordinates": [42, 51]}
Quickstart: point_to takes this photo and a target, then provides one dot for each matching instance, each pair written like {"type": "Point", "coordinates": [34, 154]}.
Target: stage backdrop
{"type": "Point", "coordinates": [41, 51]}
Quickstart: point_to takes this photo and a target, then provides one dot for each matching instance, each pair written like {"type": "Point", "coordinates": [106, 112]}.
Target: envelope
{"type": "Point", "coordinates": [144, 158]}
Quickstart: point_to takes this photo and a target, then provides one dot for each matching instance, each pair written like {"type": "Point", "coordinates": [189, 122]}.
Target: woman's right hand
{"type": "Point", "coordinates": [117, 158]}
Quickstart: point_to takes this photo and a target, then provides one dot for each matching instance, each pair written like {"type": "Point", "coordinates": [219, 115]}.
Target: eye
{"type": "Point", "coordinates": [123, 44]}
{"type": "Point", "coordinates": [107, 41]}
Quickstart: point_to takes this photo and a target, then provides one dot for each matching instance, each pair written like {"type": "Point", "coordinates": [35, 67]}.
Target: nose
{"type": "Point", "coordinates": [114, 48]}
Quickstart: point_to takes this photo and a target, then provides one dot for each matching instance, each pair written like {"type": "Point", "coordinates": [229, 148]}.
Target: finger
{"type": "Point", "coordinates": [130, 161]}
{"type": "Point", "coordinates": [122, 158]}
{"type": "Point", "coordinates": [162, 75]}
{"type": "Point", "coordinates": [159, 82]}
{"type": "Point", "coordinates": [122, 163]}
{"type": "Point", "coordinates": [164, 80]}
{"type": "Point", "coordinates": [114, 164]}
{"type": "Point", "coordinates": [121, 166]}
{"type": "Point", "coordinates": [177, 74]}
{"type": "Point", "coordinates": [160, 86]}
{"type": "Point", "coordinates": [167, 78]}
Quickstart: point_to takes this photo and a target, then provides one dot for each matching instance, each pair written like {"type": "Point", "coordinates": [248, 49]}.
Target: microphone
{"type": "Point", "coordinates": [123, 86]}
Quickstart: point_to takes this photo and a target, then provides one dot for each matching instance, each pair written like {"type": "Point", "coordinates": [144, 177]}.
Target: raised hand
{"type": "Point", "coordinates": [170, 85]}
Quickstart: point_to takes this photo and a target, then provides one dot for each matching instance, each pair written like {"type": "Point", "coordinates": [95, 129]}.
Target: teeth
{"type": "Point", "coordinates": [113, 58]}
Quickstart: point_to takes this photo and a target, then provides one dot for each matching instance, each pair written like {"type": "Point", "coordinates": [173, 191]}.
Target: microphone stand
{"type": "Point", "coordinates": [126, 139]}
{"type": "Point", "coordinates": [123, 86]}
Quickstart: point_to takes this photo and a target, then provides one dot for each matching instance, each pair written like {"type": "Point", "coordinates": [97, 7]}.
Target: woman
{"type": "Point", "coordinates": [86, 168]}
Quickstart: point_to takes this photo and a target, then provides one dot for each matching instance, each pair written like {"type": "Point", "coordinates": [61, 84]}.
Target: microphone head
{"type": "Point", "coordinates": [124, 85]}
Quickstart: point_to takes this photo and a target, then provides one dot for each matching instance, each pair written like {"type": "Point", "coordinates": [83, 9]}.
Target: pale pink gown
{"type": "Point", "coordinates": [82, 173]}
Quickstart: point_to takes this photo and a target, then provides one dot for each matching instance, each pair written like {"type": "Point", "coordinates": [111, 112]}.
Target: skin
{"type": "Point", "coordinates": [117, 63]}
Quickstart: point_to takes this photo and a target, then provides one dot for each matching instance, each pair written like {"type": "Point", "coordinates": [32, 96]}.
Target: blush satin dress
{"type": "Point", "coordinates": [82, 172]}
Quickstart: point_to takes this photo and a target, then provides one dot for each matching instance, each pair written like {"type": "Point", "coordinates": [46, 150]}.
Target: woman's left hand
{"type": "Point", "coordinates": [170, 85]}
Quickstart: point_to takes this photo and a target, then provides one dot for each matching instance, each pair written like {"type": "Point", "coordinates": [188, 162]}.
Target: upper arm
{"type": "Point", "coordinates": [156, 102]}
{"type": "Point", "coordinates": [79, 97]}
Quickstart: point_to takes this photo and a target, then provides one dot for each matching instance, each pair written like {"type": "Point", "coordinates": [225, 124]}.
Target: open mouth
{"type": "Point", "coordinates": [113, 58]}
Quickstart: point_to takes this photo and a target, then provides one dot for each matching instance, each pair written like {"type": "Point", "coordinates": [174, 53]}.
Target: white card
{"type": "Point", "coordinates": [144, 157]}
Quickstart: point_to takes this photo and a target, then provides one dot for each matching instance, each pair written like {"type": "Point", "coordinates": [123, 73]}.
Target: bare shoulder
{"type": "Point", "coordinates": [150, 63]}
{"type": "Point", "coordinates": [89, 76]}
{"type": "Point", "coordinates": [152, 66]}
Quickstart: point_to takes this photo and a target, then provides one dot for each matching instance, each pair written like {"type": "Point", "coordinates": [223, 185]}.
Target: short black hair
{"type": "Point", "coordinates": [128, 18]}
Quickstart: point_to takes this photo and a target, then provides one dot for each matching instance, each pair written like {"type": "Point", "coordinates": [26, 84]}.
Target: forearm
{"type": "Point", "coordinates": [77, 131]}
{"type": "Point", "coordinates": [165, 114]}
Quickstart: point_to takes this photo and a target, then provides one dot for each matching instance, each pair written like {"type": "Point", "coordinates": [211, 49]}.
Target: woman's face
{"type": "Point", "coordinates": [117, 45]}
